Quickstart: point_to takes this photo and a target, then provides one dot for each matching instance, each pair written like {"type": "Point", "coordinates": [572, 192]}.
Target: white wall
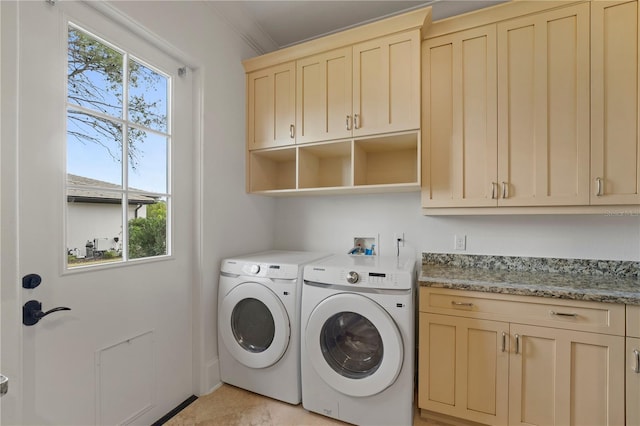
{"type": "Point", "coordinates": [329, 223]}
{"type": "Point", "coordinates": [230, 222]}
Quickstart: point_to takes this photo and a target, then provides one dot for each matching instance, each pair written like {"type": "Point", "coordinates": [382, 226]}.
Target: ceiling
{"type": "Point", "coordinates": [271, 25]}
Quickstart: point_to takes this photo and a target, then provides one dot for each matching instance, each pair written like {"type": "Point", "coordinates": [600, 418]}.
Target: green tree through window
{"type": "Point", "coordinates": [147, 235]}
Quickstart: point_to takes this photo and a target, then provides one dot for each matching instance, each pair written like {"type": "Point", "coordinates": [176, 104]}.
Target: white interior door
{"type": "Point", "coordinates": [123, 353]}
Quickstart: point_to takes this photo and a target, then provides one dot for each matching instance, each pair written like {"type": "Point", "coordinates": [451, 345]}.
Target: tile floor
{"type": "Point", "coordinates": [231, 406]}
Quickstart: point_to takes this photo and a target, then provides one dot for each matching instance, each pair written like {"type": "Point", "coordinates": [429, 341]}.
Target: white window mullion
{"type": "Point", "coordinates": [125, 157]}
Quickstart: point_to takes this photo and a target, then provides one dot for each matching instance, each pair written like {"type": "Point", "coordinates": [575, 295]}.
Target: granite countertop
{"type": "Point", "coordinates": [599, 281]}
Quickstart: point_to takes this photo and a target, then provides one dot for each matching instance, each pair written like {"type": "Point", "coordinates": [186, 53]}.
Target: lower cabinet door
{"type": "Point", "coordinates": [463, 368]}
{"type": "Point", "coordinates": [563, 377]}
{"type": "Point", "coordinates": [633, 381]}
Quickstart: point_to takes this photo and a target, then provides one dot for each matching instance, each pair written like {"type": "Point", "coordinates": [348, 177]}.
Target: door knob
{"type": "Point", "coordinates": [32, 312]}
{"type": "Point", "coordinates": [4, 385]}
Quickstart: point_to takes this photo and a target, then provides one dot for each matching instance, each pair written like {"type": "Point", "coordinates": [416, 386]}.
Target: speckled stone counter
{"type": "Point", "coordinates": [577, 279]}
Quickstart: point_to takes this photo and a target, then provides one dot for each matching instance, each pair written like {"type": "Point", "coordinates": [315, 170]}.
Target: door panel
{"type": "Point", "coordinates": [543, 108]}
{"type": "Point", "coordinates": [271, 106]}
{"type": "Point", "coordinates": [464, 370]}
{"type": "Point", "coordinates": [77, 363]}
{"type": "Point", "coordinates": [565, 377]}
{"type": "Point", "coordinates": [386, 84]}
{"type": "Point", "coordinates": [460, 123]}
{"type": "Point", "coordinates": [615, 160]}
{"type": "Point", "coordinates": [632, 370]}
{"type": "Point", "coordinates": [324, 96]}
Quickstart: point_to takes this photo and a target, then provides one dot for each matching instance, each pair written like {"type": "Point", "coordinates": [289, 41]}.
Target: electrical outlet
{"type": "Point", "coordinates": [460, 242]}
{"type": "Point", "coordinates": [398, 238]}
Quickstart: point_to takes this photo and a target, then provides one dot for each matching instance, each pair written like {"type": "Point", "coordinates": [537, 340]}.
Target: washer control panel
{"type": "Point", "coordinates": [370, 279]}
{"type": "Point", "coordinates": [363, 272]}
{"type": "Point", "coordinates": [353, 277]}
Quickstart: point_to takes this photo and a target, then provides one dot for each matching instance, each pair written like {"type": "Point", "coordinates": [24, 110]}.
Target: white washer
{"type": "Point", "coordinates": [358, 342]}
{"type": "Point", "coordinates": [259, 322]}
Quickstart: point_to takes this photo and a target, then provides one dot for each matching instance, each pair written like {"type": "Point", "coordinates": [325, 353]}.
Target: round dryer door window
{"type": "Point", "coordinates": [254, 325]}
{"type": "Point", "coordinates": [354, 345]}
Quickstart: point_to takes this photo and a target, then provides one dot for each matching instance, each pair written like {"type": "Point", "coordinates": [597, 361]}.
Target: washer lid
{"type": "Point", "coordinates": [254, 325]}
{"type": "Point", "coordinates": [354, 345]}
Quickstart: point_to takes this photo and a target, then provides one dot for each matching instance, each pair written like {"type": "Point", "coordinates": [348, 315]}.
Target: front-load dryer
{"type": "Point", "coordinates": [358, 351]}
{"type": "Point", "coordinates": [259, 322]}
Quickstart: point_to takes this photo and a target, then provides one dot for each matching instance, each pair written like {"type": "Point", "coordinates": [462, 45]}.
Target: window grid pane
{"type": "Point", "coordinates": [101, 168]}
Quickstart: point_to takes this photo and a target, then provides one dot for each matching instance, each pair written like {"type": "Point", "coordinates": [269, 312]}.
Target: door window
{"type": "Point", "coordinates": [118, 154]}
{"type": "Point", "coordinates": [252, 325]}
{"type": "Point", "coordinates": [351, 345]}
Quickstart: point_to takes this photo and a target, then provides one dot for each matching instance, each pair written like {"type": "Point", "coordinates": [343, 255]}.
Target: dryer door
{"type": "Point", "coordinates": [254, 325]}
{"type": "Point", "coordinates": [354, 345]}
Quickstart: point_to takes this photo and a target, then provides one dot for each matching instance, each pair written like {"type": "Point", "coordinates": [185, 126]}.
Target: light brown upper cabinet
{"type": "Point", "coordinates": [386, 84]}
{"type": "Point", "coordinates": [459, 119]}
{"type": "Point", "coordinates": [271, 111]}
{"type": "Point", "coordinates": [506, 113]}
{"type": "Point", "coordinates": [543, 108]}
{"type": "Point", "coordinates": [615, 150]}
{"type": "Point", "coordinates": [324, 96]}
{"type": "Point", "coordinates": [366, 89]}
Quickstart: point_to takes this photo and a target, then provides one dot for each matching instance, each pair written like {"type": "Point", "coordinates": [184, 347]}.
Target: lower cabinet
{"type": "Point", "coordinates": [565, 377]}
{"type": "Point", "coordinates": [464, 368]}
{"type": "Point", "coordinates": [498, 360]}
{"type": "Point", "coordinates": [632, 366]}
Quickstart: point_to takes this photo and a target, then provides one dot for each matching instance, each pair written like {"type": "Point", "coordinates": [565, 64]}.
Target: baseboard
{"type": "Point", "coordinates": [175, 411]}
{"type": "Point", "coordinates": [212, 374]}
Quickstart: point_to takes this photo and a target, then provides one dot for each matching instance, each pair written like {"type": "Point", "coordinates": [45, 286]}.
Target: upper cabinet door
{"type": "Point", "coordinates": [615, 152]}
{"type": "Point", "coordinates": [543, 108]}
{"type": "Point", "coordinates": [324, 96]}
{"type": "Point", "coordinates": [386, 84]}
{"type": "Point", "coordinates": [459, 127]}
{"type": "Point", "coordinates": [271, 107]}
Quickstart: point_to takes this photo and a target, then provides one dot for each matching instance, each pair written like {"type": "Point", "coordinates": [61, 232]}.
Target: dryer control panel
{"type": "Point", "coordinates": [261, 270]}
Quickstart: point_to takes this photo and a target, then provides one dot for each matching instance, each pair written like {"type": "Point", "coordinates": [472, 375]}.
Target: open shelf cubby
{"type": "Point", "coordinates": [273, 169]}
{"type": "Point", "coordinates": [325, 165]}
{"type": "Point", "coordinates": [364, 165]}
{"type": "Point", "coordinates": [387, 160]}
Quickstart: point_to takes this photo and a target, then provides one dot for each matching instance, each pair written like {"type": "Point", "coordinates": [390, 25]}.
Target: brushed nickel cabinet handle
{"type": "Point", "coordinates": [494, 190]}
{"type": "Point", "coordinates": [598, 187]}
{"type": "Point", "coordinates": [563, 314]}
{"type": "Point", "coordinates": [356, 121]}
{"type": "Point", "coordinates": [504, 341]}
{"type": "Point", "coordinates": [517, 344]}
{"type": "Point", "coordinates": [348, 122]}
{"type": "Point", "coordinates": [292, 129]}
{"type": "Point", "coordinates": [465, 304]}
{"type": "Point", "coordinates": [636, 355]}
{"type": "Point", "coordinates": [505, 187]}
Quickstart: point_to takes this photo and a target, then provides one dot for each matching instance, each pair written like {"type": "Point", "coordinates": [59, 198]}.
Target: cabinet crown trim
{"type": "Point", "coordinates": [491, 15]}
{"type": "Point", "coordinates": [417, 19]}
